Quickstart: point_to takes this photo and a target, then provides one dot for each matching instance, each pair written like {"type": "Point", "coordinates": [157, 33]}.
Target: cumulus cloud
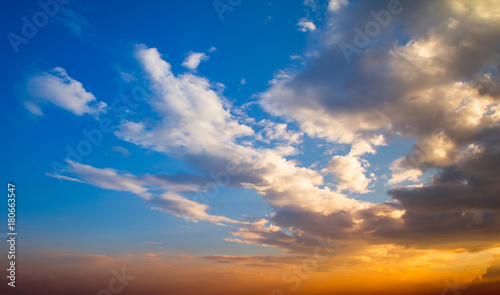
{"type": "Point", "coordinates": [305, 25]}
{"type": "Point", "coordinates": [342, 105]}
{"type": "Point", "coordinates": [278, 132]}
{"type": "Point", "coordinates": [413, 89]}
{"type": "Point", "coordinates": [57, 88]}
{"type": "Point", "coordinates": [349, 172]}
{"type": "Point", "coordinates": [402, 172]}
{"type": "Point", "coordinates": [197, 127]}
{"type": "Point", "coordinates": [194, 59]}
{"type": "Point", "coordinates": [194, 117]}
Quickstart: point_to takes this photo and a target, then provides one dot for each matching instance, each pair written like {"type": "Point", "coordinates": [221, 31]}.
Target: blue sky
{"type": "Point", "coordinates": [350, 120]}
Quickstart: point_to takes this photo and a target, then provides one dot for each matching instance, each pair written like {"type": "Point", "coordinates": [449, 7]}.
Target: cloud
{"type": "Point", "coordinates": [75, 22]}
{"type": "Point", "coordinates": [489, 282]}
{"type": "Point", "coordinates": [343, 106]}
{"type": "Point", "coordinates": [124, 152]}
{"type": "Point", "coordinates": [109, 179]}
{"type": "Point", "coordinates": [334, 5]}
{"type": "Point", "coordinates": [58, 88]}
{"type": "Point", "coordinates": [144, 187]}
{"type": "Point", "coordinates": [401, 172]}
{"type": "Point", "coordinates": [349, 173]}
{"type": "Point", "coordinates": [181, 207]}
{"type": "Point", "coordinates": [258, 260]}
{"type": "Point", "coordinates": [194, 117]}
{"type": "Point", "coordinates": [194, 59]}
{"type": "Point", "coordinates": [493, 272]}
{"type": "Point", "coordinates": [413, 89]}
{"type": "Point", "coordinates": [112, 179]}
{"type": "Point", "coordinates": [263, 233]}
{"type": "Point", "coordinates": [305, 25]}
{"type": "Point", "coordinates": [278, 132]}
{"type": "Point", "coordinates": [196, 127]}
{"type": "Point", "coordinates": [311, 3]}
{"type": "Point", "coordinates": [81, 258]}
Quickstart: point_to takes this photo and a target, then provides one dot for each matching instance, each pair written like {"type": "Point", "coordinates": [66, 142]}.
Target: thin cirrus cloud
{"type": "Point", "coordinates": [142, 186]}
{"type": "Point", "coordinates": [123, 151]}
{"type": "Point", "coordinates": [58, 88]}
{"type": "Point", "coordinates": [75, 22]}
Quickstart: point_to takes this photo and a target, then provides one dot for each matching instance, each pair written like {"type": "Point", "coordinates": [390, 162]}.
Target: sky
{"type": "Point", "coordinates": [258, 147]}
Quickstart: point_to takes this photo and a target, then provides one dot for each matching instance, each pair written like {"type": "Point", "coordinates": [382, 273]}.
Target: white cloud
{"type": "Point", "coordinates": [334, 5]}
{"type": "Point", "coordinates": [366, 145]}
{"type": "Point", "coordinates": [58, 88]}
{"type": "Point", "coordinates": [195, 120]}
{"type": "Point", "coordinates": [194, 59]}
{"type": "Point", "coordinates": [305, 25]}
{"type": "Point", "coordinates": [197, 128]}
{"type": "Point", "coordinates": [402, 172]}
{"type": "Point", "coordinates": [349, 173]}
{"type": "Point", "coordinates": [278, 132]}
{"type": "Point", "coordinates": [109, 179]}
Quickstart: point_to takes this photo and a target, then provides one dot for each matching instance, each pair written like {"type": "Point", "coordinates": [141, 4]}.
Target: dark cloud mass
{"type": "Point", "coordinates": [435, 81]}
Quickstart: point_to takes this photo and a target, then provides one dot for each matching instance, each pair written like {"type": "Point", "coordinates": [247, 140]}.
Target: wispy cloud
{"type": "Point", "coordinates": [58, 88]}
